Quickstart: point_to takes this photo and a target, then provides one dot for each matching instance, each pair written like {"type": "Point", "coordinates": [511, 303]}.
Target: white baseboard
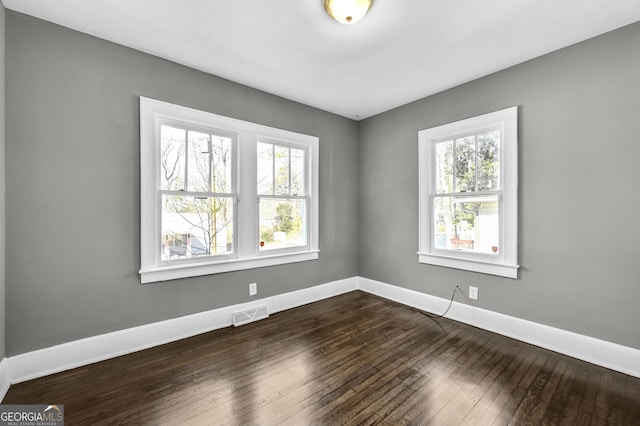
{"type": "Point", "coordinates": [78, 353]}
{"type": "Point", "coordinates": [4, 378]}
{"type": "Point", "coordinates": [74, 354]}
{"type": "Point", "coordinates": [596, 351]}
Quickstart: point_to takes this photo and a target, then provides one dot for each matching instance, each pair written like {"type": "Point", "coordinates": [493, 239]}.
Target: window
{"type": "Point", "coordinates": [468, 194]}
{"type": "Point", "coordinates": [219, 194]}
{"type": "Point", "coordinates": [197, 191]}
{"type": "Point", "coordinates": [282, 203]}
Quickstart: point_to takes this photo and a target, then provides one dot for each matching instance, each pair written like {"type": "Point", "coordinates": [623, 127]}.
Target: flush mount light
{"type": "Point", "coordinates": [347, 11]}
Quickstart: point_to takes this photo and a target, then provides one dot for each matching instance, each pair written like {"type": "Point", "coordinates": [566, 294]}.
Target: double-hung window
{"type": "Point", "coordinates": [220, 194]}
{"type": "Point", "coordinates": [468, 194]}
{"type": "Point", "coordinates": [282, 196]}
{"type": "Point", "coordinates": [197, 192]}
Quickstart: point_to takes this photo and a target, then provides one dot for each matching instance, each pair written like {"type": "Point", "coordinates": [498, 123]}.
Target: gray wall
{"type": "Point", "coordinates": [579, 233]}
{"type": "Point", "coordinates": [2, 183]}
{"type": "Point", "coordinates": [73, 216]}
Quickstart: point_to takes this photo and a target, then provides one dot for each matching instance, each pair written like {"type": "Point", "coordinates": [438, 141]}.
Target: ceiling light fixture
{"type": "Point", "coordinates": [347, 11]}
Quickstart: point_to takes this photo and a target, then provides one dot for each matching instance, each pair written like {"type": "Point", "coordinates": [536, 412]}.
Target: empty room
{"type": "Point", "coordinates": [319, 212]}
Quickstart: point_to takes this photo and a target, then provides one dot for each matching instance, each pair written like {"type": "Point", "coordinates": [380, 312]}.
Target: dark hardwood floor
{"type": "Point", "coordinates": [352, 359]}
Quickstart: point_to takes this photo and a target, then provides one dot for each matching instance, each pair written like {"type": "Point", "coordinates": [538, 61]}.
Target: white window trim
{"type": "Point", "coordinates": [247, 254]}
{"type": "Point", "coordinates": [504, 263]}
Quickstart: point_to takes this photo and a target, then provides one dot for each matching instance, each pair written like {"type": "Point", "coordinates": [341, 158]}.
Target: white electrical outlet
{"type": "Point", "coordinates": [473, 293]}
{"type": "Point", "coordinates": [253, 289]}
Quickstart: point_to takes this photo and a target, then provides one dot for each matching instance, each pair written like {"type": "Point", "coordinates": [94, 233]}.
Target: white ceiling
{"type": "Point", "coordinates": [401, 51]}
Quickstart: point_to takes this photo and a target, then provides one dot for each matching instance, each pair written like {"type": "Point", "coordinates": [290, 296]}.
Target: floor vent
{"type": "Point", "coordinates": [250, 315]}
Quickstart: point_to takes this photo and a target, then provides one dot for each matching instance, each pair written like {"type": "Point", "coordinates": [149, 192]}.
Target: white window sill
{"type": "Point", "coordinates": [172, 272]}
{"type": "Point", "coordinates": [491, 268]}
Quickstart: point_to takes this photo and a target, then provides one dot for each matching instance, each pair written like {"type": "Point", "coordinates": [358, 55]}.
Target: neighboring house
{"type": "Point", "coordinates": [187, 234]}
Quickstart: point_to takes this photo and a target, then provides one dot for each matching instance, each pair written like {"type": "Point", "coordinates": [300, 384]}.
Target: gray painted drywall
{"type": "Point", "coordinates": [73, 216]}
{"type": "Point", "coordinates": [579, 233]}
{"type": "Point", "coordinates": [2, 183]}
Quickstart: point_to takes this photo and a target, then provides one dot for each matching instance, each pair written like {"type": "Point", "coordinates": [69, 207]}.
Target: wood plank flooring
{"type": "Point", "coordinates": [349, 360]}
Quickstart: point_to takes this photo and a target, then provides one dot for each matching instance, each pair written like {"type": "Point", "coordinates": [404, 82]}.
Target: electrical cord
{"type": "Point", "coordinates": [449, 307]}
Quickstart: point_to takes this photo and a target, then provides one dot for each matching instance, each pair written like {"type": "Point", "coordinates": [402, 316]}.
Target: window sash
{"type": "Point", "coordinates": [469, 197]}
{"type": "Point", "coordinates": [306, 231]}
{"type": "Point", "coordinates": [306, 188]}
{"type": "Point", "coordinates": [194, 234]}
{"type": "Point", "coordinates": [454, 138]}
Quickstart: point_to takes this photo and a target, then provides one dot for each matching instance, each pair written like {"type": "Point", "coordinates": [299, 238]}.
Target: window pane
{"type": "Point", "coordinates": [221, 157]}
{"type": "Point", "coordinates": [297, 172]}
{"type": "Point", "coordinates": [282, 223]}
{"type": "Point", "coordinates": [444, 167]}
{"type": "Point", "coordinates": [196, 226]}
{"type": "Point", "coordinates": [265, 168]}
{"type": "Point", "coordinates": [466, 223]}
{"type": "Point", "coordinates": [199, 171]}
{"type": "Point", "coordinates": [465, 164]}
{"type": "Point", "coordinates": [282, 170]}
{"type": "Point", "coordinates": [172, 158]}
{"type": "Point", "coordinates": [489, 161]}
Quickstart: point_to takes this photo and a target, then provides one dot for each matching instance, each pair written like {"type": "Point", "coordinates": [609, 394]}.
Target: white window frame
{"type": "Point", "coordinates": [505, 262]}
{"type": "Point", "coordinates": [246, 236]}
